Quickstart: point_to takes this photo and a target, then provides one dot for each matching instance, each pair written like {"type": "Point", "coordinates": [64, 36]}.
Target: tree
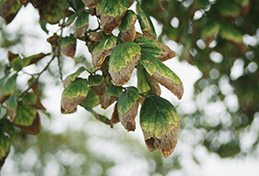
{"type": "Point", "coordinates": [206, 29]}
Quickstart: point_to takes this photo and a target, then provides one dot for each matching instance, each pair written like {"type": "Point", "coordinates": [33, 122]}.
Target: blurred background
{"type": "Point", "coordinates": [216, 43]}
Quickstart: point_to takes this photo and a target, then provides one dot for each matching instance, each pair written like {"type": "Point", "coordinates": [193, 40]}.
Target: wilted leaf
{"type": "Point", "coordinates": [127, 27]}
{"type": "Point", "coordinates": [110, 96]}
{"type": "Point", "coordinates": [160, 124]}
{"type": "Point", "coordinates": [162, 74]}
{"type": "Point", "coordinates": [128, 103]}
{"type": "Point", "coordinates": [90, 3]}
{"type": "Point", "coordinates": [97, 84]}
{"type": "Point", "coordinates": [91, 100]}
{"type": "Point", "coordinates": [73, 95]}
{"type": "Point", "coordinates": [34, 58]}
{"type": "Point", "coordinates": [68, 46]}
{"type": "Point", "coordinates": [122, 62]}
{"type": "Point", "coordinates": [5, 145]}
{"type": "Point", "coordinates": [9, 9]}
{"type": "Point", "coordinates": [72, 77]}
{"type": "Point", "coordinates": [81, 24]}
{"type": "Point", "coordinates": [111, 13]}
{"type": "Point", "coordinates": [11, 105]}
{"type": "Point", "coordinates": [102, 50]}
{"type": "Point", "coordinates": [34, 128]}
{"type": "Point", "coordinates": [155, 48]}
{"type": "Point", "coordinates": [25, 115]}
{"type": "Point", "coordinates": [115, 115]}
{"type": "Point", "coordinates": [145, 23]}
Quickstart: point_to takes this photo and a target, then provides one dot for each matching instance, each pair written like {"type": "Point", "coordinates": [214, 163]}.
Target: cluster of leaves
{"type": "Point", "coordinates": [115, 55]}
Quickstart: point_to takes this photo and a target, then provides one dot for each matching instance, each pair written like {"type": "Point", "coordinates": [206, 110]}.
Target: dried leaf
{"type": "Point", "coordinates": [111, 12]}
{"type": "Point", "coordinates": [115, 115]}
{"type": "Point", "coordinates": [68, 46]}
{"type": "Point", "coordinates": [160, 124]}
{"type": "Point", "coordinates": [34, 58]}
{"type": "Point", "coordinates": [128, 103]}
{"type": "Point", "coordinates": [9, 9]}
{"type": "Point", "coordinates": [127, 27]}
{"type": "Point", "coordinates": [122, 62]}
{"type": "Point", "coordinates": [34, 128]}
{"type": "Point", "coordinates": [81, 25]}
{"type": "Point", "coordinates": [110, 96]}
{"type": "Point", "coordinates": [96, 36]}
{"type": "Point", "coordinates": [97, 84]}
{"type": "Point", "coordinates": [90, 3]}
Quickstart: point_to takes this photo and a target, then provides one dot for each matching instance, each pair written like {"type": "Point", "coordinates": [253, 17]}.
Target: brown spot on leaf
{"type": "Point", "coordinates": [107, 100]}
{"type": "Point", "coordinates": [166, 53]}
{"type": "Point", "coordinates": [69, 105]}
{"type": "Point", "coordinates": [34, 129]}
{"type": "Point", "coordinates": [98, 57]}
{"type": "Point", "coordinates": [115, 116]}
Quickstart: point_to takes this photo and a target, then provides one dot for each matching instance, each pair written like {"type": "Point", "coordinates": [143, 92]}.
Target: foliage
{"type": "Point", "coordinates": [115, 55]}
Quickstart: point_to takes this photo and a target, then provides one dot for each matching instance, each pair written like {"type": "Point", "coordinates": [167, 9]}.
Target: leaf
{"type": "Point", "coordinates": [37, 105]}
{"type": "Point", "coordinates": [145, 23]}
{"type": "Point", "coordinates": [91, 100]}
{"type": "Point", "coordinates": [11, 105]}
{"type": "Point", "coordinates": [128, 103]}
{"type": "Point", "coordinates": [143, 83]}
{"type": "Point", "coordinates": [81, 25]}
{"type": "Point", "coordinates": [5, 145]}
{"type": "Point", "coordinates": [70, 19]}
{"type": "Point", "coordinates": [155, 48]}
{"type": "Point", "coordinates": [96, 36]}
{"type": "Point", "coordinates": [111, 13]}
{"type": "Point", "coordinates": [9, 86]}
{"type": "Point", "coordinates": [127, 27]}
{"type": "Point", "coordinates": [33, 58]}
{"type": "Point", "coordinates": [73, 95]}
{"type": "Point", "coordinates": [25, 115]}
{"type": "Point", "coordinates": [3, 112]}
{"type": "Point", "coordinates": [97, 84]}
{"type": "Point", "coordinates": [17, 64]}
{"type": "Point", "coordinates": [9, 9]}
{"type": "Point", "coordinates": [29, 99]}
{"type": "Point", "coordinates": [68, 46]}
{"type": "Point", "coordinates": [90, 3]}
{"type": "Point", "coordinates": [228, 9]}
{"type": "Point", "coordinates": [162, 74]}
{"type": "Point", "coordinates": [110, 96]}
{"type": "Point", "coordinates": [122, 62]}
{"type": "Point", "coordinates": [230, 33]}
{"type": "Point", "coordinates": [102, 50]}
{"type": "Point", "coordinates": [210, 29]}
{"type": "Point", "coordinates": [34, 128]}
{"type": "Point", "coordinates": [115, 115]}
{"type": "Point", "coordinates": [160, 124]}
{"type": "Point", "coordinates": [72, 77]}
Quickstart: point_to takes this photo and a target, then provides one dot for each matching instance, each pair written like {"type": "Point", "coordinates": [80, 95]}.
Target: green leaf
{"type": "Point", "coordinates": [68, 46]}
{"type": "Point", "coordinates": [210, 29]}
{"type": "Point", "coordinates": [102, 50]}
{"type": "Point", "coordinates": [5, 145]}
{"type": "Point", "coordinates": [128, 102]}
{"type": "Point", "coordinates": [110, 96]}
{"type": "Point", "coordinates": [111, 13]}
{"type": "Point", "coordinates": [127, 27]}
{"type": "Point", "coordinates": [155, 48]}
{"type": "Point", "coordinates": [25, 115]}
{"type": "Point", "coordinates": [114, 90]}
{"type": "Point", "coordinates": [73, 95]}
{"type": "Point", "coordinates": [228, 9]}
{"type": "Point", "coordinates": [146, 24]}
{"type": "Point", "coordinates": [160, 124]}
{"type": "Point", "coordinates": [17, 64]}
{"type": "Point", "coordinates": [91, 100]}
{"type": "Point", "coordinates": [2, 112]}
{"type": "Point", "coordinates": [34, 128]}
{"type": "Point", "coordinates": [9, 9]}
{"type": "Point", "coordinates": [70, 19]}
{"type": "Point", "coordinates": [81, 24]}
{"type": "Point", "coordinates": [33, 58]}
{"type": "Point", "coordinates": [72, 77]}
{"type": "Point", "coordinates": [230, 33]}
{"type": "Point", "coordinates": [162, 74]}
{"type": "Point", "coordinates": [11, 105]}
{"type": "Point", "coordinates": [143, 83]}
{"type": "Point", "coordinates": [122, 62]}
{"type": "Point", "coordinates": [29, 99]}
{"type": "Point", "coordinates": [9, 86]}
{"type": "Point", "coordinates": [97, 84]}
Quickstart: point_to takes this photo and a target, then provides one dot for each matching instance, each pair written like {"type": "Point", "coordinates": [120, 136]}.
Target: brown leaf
{"type": "Point", "coordinates": [156, 85]}
{"type": "Point", "coordinates": [90, 3]}
{"type": "Point", "coordinates": [69, 105]}
{"type": "Point", "coordinates": [6, 10]}
{"type": "Point", "coordinates": [107, 100]}
{"type": "Point", "coordinates": [166, 144]}
{"type": "Point", "coordinates": [22, 2]}
{"type": "Point", "coordinates": [34, 129]}
{"type": "Point", "coordinates": [96, 36]}
{"type": "Point", "coordinates": [115, 116]}
{"type": "Point", "coordinates": [128, 119]}
{"type": "Point", "coordinates": [100, 89]}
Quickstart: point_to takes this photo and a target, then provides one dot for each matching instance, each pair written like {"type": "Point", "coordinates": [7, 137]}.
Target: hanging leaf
{"type": "Point", "coordinates": [230, 33]}
{"type": "Point", "coordinates": [162, 74]}
{"type": "Point", "coordinates": [91, 100]}
{"type": "Point", "coordinates": [72, 77]}
{"type": "Point", "coordinates": [111, 12]}
{"type": "Point", "coordinates": [73, 95]}
{"type": "Point", "coordinates": [81, 25]}
{"type": "Point", "coordinates": [34, 58]}
{"type": "Point", "coordinates": [143, 83]}
{"type": "Point", "coordinates": [68, 46]}
{"type": "Point", "coordinates": [145, 23]}
{"type": "Point", "coordinates": [90, 3]}
{"type": "Point", "coordinates": [157, 49]}
{"type": "Point", "coordinates": [115, 115]}
{"type": "Point", "coordinates": [25, 115]}
{"type": "Point", "coordinates": [127, 27]}
{"type": "Point", "coordinates": [9, 9]}
{"type": "Point", "coordinates": [122, 62]}
{"type": "Point", "coordinates": [102, 50]}
{"type": "Point", "coordinates": [11, 106]}
{"type": "Point", "coordinates": [97, 84]}
{"type": "Point", "coordinates": [128, 103]}
{"type": "Point", "coordinates": [110, 96]}
{"type": "Point", "coordinates": [5, 145]}
{"type": "Point", "coordinates": [35, 88]}
{"type": "Point", "coordinates": [34, 128]}
{"type": "Point", "coordinates": [160, 124]}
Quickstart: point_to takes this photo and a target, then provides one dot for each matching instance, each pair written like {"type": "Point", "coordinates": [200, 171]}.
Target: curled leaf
{"type": "Point", "coordinates": [122, 62]}
{"type": "Point", "coordinates": [128, 103]}
{"type": "Point", "coordinates": [111, 13]}
{"type": "Point", "coordinates": [73, 95]}
{"type": "Point", "coordinates": [102, 50]}
{"type": "Point", "coordinates": [90, 3]}
{"type": "Point", "coordinates": [127, 27]}
{"type": "Point", "coordinates": [160, 124]}
{"type": "Point", "coordinates": [81, 25]}
{"type": "Point", "coordinates": [68, 46]}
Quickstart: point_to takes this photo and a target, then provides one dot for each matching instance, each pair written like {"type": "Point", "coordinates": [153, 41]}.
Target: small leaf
{"type": "Point", "coordinates": [102, 50]}
{"type": "Point", "coordinates": [72, 77]}
{"type": "Point", "coordinates": [162, 74]}
{"type": "Point", "coordinates": [143, 83]}
{"type": "Point", "coordinates": [33, 59]}
{"type": "Point", "coordinates": [160, 124]}
{"type": "Point", "coordinates": [96, 36]}
{"type": "Point", "coordinates": [230, 33]}
{"type": "Point", "coordinates": [128, 103]}
{"type": "Point", "coordinates": [81, 25]}
{"type": "Point", "coordinates": [122, 62]}
{"type": "Point", "coordinates": [155, 48]}
{"type": "Point", "coordinates": [70, 19]}
{"type": "Point", "coordinates": [90, 3]}
{"type": "Point", "coordinates": [115, 115]}
{"type": "Point", "coordinates": [29, 99]}
{"type": "Point", "coordinates": [34, 128]}
{"type": "Point", "coordinates": [3, 112]}
{"type": "Point", "coordinates": [110, 96]}
{"type": "Point", "coordinates": [73, 95]}
{"type": "Point", "coordinates": [228, 9]}
{"type": "Point", "coordinates": [37, 105]}
{"type": "Point", "coordinates": [9, 86]}
{"type": "Point", "coordinates": [9, 9]}
{"type": "Point", "coordinates": [68, 46]}
{"type": "Point", "coordinates": [91, 100]}
{"type": "Point", "coordinates": [111, 13]}
{"type": "Point", "coordinates": [145, 23]}
{"type": "Point", "coordinates": [127, 27]}
{"type": "Point", "coordinates": [97, 84]}
{"type": "Point", "coordinates": [17, 64]}
{"type": "Point", "coordinates": [210, 29]}
{"type": "Point", "coordinates": [25, 115]}
{"type": "Point", "coordinates": [5, 145]}
{"type": "Point", "coordinates": [11, 105]}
